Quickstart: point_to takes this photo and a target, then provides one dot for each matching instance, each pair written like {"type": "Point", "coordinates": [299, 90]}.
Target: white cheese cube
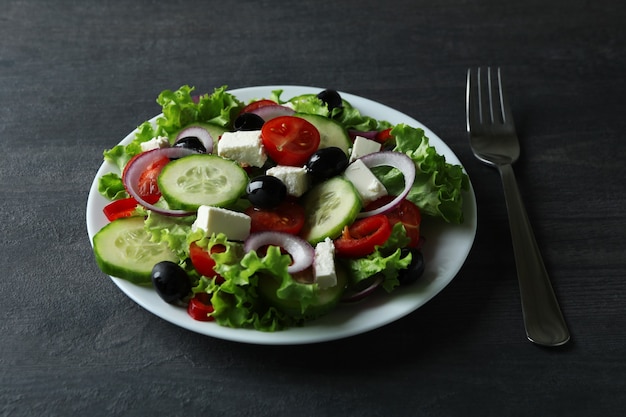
{"type": "Point", "coordinates": [158, 142]}
{"type": "Point", "coordinates": [324, 264]}
{"type": "Point", "coordinates": [363, 146]}
{"type": "Point", "coordinates": [294, 178]}
{"type": "Point", "coordinates": [235, 225]}
{"type": "Point", "coordinates": [244, 147]}
{"type": "Point", "coordinates": [365, 182]}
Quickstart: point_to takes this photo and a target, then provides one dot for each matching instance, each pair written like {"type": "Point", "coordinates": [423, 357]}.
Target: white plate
{"type": "Point", "coordinates": [447, 246]}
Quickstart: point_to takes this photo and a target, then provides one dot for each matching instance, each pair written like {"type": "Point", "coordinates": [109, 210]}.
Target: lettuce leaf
{"type": "Point", "coordinates": [111, 187]}
{"type": "Point", "coordinates": [348, 116]}
{"type": "Point", "coordinates": [438, 186]}
{"type": "Point", "coordinates": [181, 109]}
{"type": "Point", "coordinates": [386, 260]}
{"type": "Point", "coordinates": [172, 230]}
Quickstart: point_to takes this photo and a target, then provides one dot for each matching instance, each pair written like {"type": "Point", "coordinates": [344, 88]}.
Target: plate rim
{"type": "Point", "coordinates": [319, 330]}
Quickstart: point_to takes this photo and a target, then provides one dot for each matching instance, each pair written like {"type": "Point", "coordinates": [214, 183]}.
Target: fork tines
{"type": "Point", "coordinates": [488, 105]}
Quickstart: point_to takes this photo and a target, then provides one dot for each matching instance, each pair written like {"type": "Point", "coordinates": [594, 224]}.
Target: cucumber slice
{"type": "Point", "coordinates": [325, 300]}
{"type": "Point", "coordinates": [123, 249]}
{"type": "Point", "coordinates": [332, 133]}
{"type": "Point", "coordinates": [329, 207]}
{"type": "Point", "coordinates": [204, 179]}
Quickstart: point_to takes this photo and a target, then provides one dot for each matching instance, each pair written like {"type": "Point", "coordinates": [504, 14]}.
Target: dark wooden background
{"type": "Point", "coordinates": [77, 76]}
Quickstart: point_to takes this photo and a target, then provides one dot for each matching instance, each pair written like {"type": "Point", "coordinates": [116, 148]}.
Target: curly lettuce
{"type": "Point", "coordinates": [386, 261]}
{"type": "Point", "coordinates": [438, 186]}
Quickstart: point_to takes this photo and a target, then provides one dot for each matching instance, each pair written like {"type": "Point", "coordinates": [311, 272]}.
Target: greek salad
{"type": "Point", "coordinates": [270, 213]}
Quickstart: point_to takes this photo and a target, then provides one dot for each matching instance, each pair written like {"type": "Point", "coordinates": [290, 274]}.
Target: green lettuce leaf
{"type": "Point", "coordinates": [386, 260]}
{"type": "Point", "coordinates": [180, 109]}
{"type": "Point", "coordinates": [111, 187]}
{"type": "Point", "coordinates": [172, 230]}
{"type": "Point", "coordinates": [348, 116]}
{"type": "Point", "coordinates": [438, 186]}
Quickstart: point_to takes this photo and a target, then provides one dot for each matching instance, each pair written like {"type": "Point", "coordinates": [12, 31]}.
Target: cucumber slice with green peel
{"type": "Point", "coordinates": [204, 179]}
{"type": "Point", "coordinates": [329, 207]}
{"type": "Point", "coordinates": [332, 133]}
{"type": "Point", "coordinates": [324, 299]}
{"type": "Point", "coordinates": [123, 249]}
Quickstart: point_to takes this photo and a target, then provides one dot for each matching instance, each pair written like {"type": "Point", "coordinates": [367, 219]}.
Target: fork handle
{"type": "Point", "coordinates": [543, 319]}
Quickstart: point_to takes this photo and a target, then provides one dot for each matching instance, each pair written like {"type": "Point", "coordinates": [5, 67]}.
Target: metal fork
{"type": "Point", "coordinates": [494, 141]}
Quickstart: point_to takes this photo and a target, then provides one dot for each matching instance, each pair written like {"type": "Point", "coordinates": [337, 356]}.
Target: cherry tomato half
{"type": "Point", "coordinates": [203, 262]}
{"type": "Point", "coordinates": [148, 188]}
{"type": "Point", "coordinates": [120, 208]}
{"type": "Point", "coordinates": [361, 237]}
{"type": "Point", "coordinates": [200, 307]}
{"type": "Point", "coordinates": [406, 212]}
{"type": "Point", "coordinates": [257, 105]}
{"type": "Point", "coordinates": [287, 217]}
{"type": "Point", "coordinates": [383, 136]}
{"type": "Point", "coordinates": [290, 140]}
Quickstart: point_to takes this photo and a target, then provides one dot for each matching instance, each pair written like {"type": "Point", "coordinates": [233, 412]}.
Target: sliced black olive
{"type": "Point", "coordinates": [331, 98]}
{"type": "Point", "coordinates": [191, 142]}
{"type": "Point", "coordinates": [170, 281]}
{"type": "Point", "coordinates": [248, 121]}
{"type": "Point", "coordinates": [325, 163]}
{"type": "Point", "coordinates": [415, 269]}
{"type": "Point", "coordinates": [266, 191]}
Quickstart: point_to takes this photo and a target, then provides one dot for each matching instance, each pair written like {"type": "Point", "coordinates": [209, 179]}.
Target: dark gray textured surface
{"type": "Point", "coordinates": [76, 77]}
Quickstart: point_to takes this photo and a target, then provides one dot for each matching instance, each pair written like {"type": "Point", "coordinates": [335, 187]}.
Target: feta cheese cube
{"type": "Point", "coordinates": [365, 182]}
{"type": "Point", "coordinates": [324, 264]}
{"type": "Point", "coordinates": [294, 178]}
{"type": "Point", "coordinates": [363, 146]}
{"type": "Point", "coordinates": [158, 142]}
{"type": "Point", "coordinates": [235, 225]}
{"type": "Point", "coordinates": [244, 147]}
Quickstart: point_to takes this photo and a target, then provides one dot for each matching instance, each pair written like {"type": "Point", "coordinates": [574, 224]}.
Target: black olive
{"type": "Point", "coordinates": [415, 268]}
{"type": "Point", "coordinates": [248, 121]}
{"type": "Point", "coordinates": [170, 281]}
{"type": "Point", "coordinates": [331, 98]}
{"type": "Point", "coordinates": [266, 191]}
{"type": "Point", "coordinates": [326, 163]}
{"type": "Point", "coordinates": [191, 142]}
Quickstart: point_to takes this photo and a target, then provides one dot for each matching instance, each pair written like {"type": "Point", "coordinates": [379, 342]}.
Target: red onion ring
{"type": "Point", "coordinates": [300, 250]}
{"type": "Point", "coordinates": [137, 165]}
{"type": "Point", "coordinates": [370, 134]}
{"type": "Point", "coordinates": [269, 112]}
{"type": "Point", "coordinates": [359, 295]}
{"type": "Point", "coordinates": [397, 160]}
{"type": "Point", "coordinates": [199, 132]}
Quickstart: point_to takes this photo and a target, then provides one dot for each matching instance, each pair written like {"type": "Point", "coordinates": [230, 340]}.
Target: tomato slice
{"type": "Point", "coordinates": [148, 188]}
{"type": "Point", "coordinates": [200, 307]}
{"type": "Point", "coordinates": [406, 212]}
{"type": "Point", "coordinates": [361, 237]}
{"type": "Point", "coordinates": [257, 105]}
{"type": "Point", "coordinates": [383, 136]}
{"type": "Point", "coordinates": [287, 217]}
{"type": "Point", "coordinates": [290, 140]}
{"type": "Point", "coordinates": [203, 262]}
{"type": "Point", "coordinates": [120, 208]}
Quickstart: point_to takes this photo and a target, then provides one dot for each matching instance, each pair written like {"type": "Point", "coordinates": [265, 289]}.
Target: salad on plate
{"type": "Point", "coordinates": [268, 214]}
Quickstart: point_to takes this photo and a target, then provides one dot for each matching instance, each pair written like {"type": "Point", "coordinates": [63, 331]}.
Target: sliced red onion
{"type": "Point", "coordinates": [137, 165]}
{"type": "Point", "coordinates": [199, 132]}
{"type": "Point", "coordinates": [359, 295]}
{"type": "Point", "coordinates": [272, 111]}
{"type": "Point", "coordinates": [300, 250]}
{"type": "Point", "coordinates": [370, 134]}
{"type": "Point", "coordinates": [397, 160]}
